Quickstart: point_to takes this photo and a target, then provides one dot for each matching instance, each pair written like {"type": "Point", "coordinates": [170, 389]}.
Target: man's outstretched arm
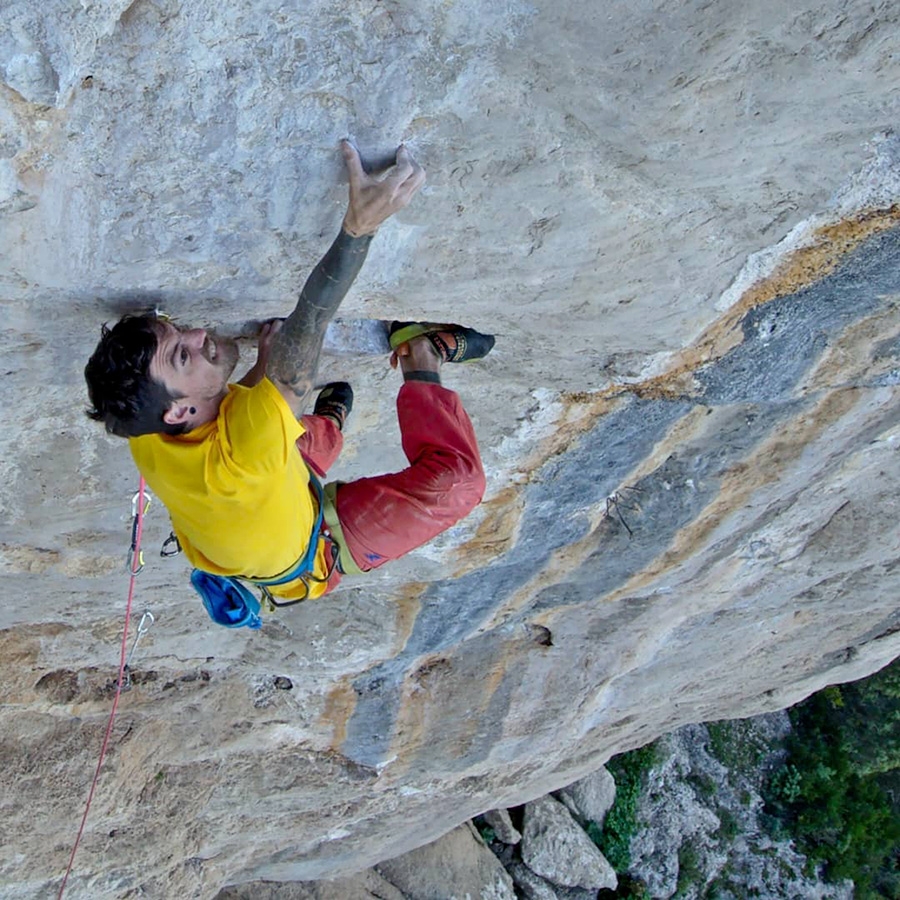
{"type": "Point", "coordinates": [295, 353]}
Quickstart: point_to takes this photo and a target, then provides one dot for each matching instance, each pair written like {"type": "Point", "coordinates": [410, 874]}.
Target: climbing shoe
{"type": "Point", "coordinates": [454, 343]}
{"type": "Point", "coordinates": [335, 400]}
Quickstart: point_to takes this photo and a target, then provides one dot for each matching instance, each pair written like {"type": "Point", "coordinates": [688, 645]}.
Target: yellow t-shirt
{"type": "Point", "coordinates": [237, 488]}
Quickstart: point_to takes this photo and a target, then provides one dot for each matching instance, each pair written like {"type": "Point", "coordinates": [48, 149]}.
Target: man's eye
{"type": "Point", "coordinates": [184, 355]}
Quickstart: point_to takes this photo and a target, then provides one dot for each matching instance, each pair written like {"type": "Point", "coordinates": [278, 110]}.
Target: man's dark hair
{"type": "Point", "coordinates": [123, 395]}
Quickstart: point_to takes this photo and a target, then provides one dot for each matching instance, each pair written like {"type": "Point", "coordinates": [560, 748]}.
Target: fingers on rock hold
{"type": "Point", "coordinates": [352, 159]}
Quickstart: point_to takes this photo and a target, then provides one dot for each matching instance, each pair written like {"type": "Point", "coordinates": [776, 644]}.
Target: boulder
{"type": "Point", "coordinates": [457, 867]}
{"type": "Point", "coordinates": [590, 798]}
{"type": "Point", "coordinates": [366, 885]}
{"type": "Point", "coordinates": [555, 847]}
{"type": "Point", "coordinates": [529, 884]}
{"type": "Point", "coordinates": [503, 827]}
{"type": "Point", "coordinates": [575, 893]}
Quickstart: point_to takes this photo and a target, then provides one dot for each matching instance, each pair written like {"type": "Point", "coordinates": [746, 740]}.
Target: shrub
{"type": "Point", "coordinates": [614, 839]}
{"type": "Point", "coordinates": [629, 889]}
{"type": "Point", "coordinates": [835, 792]}
{"type": "Point", "coordinates": [729, 825]}
{"type": "Point", "coordinates": [733, 743]}
{"type": "Point", "coordinates": [689, 874]}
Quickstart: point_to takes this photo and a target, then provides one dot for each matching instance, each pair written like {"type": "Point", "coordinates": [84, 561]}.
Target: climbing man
{"type": "Point", "coordinates": [232, 462]}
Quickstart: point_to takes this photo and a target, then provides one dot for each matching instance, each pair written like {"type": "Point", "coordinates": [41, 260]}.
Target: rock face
{"type": "Point", "coordinates": [679, 220]}
{"type": "Point", "coordinates": [556, 848]}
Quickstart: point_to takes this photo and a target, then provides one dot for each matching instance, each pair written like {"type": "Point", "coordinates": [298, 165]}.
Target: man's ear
{"type": "Point", "coordinates": [178, 413]}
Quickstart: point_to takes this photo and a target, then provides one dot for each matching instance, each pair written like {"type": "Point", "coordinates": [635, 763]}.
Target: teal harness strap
{"type": "Point", "coordinates": [307, 562]}
{"type": "Point", "coordinates": [232, 604]}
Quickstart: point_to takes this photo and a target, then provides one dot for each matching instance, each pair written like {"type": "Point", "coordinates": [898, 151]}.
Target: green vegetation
{"type": "Point", "coordinates": [629, 889]}
{"type": "Point", "coordinates": [719, 888]}
{"type": "Point", "coordinates": [703, 784]}
{"type": "Point", "coordinates": [733, 743]}
{"type": "Point", "coordinates": [689, 874]}
{"type": "Point", "coordinates": [729, 826]}
{"type": "Point", "coordinates": [837, 793]}
{"type": "Point", "coordinates": [628, 770]}
{"type": "Point", "coordinates": [488, 835]}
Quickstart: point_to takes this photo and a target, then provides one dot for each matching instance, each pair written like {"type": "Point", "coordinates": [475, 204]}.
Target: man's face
{"type": "Point", "coordinates": [195, 367]}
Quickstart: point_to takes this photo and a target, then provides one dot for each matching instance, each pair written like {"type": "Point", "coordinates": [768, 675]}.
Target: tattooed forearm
{"type": "Point", "coordinates": [296, 348]}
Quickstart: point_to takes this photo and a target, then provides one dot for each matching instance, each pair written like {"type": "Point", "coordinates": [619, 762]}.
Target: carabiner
{"type": "Point", "coordinates": [134, 503]}
{"type": "Point", "coordinates": [147, 620]}
{"type": "Point", "coordinates": [171, 546]}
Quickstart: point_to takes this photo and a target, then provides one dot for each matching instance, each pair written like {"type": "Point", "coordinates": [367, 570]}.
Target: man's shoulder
{"type": "Point", "coordinates": [255, 423]}
{"type": "Point", "coordinates": [263, 395]}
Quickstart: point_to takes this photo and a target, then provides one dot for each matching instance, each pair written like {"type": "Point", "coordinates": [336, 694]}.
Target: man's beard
{"type": "Point", "coordinates": [227, 353]}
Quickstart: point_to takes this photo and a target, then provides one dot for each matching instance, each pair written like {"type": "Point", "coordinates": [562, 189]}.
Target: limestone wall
{"type": "Point", "coordinates": [678, 218]}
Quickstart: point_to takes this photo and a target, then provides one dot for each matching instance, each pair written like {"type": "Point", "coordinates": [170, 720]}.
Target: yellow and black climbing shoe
{"type": "Point", "coordinates": [454, 343]}
{"type": "Point", "coordinates": [335, 400]}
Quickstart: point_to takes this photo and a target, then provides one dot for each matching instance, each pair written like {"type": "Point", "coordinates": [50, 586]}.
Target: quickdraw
{"type": "Point", "coordinates": [134, 561]}
{"type": "Point", "coordinates": [147, 619]}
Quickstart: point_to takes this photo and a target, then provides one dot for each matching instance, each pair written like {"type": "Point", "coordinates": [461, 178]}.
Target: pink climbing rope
{"type": "Point", "coordinates": [135, 568]}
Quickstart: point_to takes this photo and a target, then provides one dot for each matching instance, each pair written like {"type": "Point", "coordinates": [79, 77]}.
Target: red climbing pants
{"type": "Point", "coordinates": [387, 516]}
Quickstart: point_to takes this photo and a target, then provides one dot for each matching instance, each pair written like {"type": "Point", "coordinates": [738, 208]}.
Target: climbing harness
{"type": "Point", "coordinates": [230, 602]}
{"type": "Point", "coordinates": [138, 508]}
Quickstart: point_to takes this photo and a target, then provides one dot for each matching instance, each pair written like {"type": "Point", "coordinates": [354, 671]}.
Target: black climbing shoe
{"type": "Point", "coordinates": [335, 400]}
{"type": "Point", "coordinates": [454, 343]}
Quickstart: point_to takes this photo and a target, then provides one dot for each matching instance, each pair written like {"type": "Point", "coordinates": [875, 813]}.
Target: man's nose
{"type": "Point", "coordinates": [197, 337]}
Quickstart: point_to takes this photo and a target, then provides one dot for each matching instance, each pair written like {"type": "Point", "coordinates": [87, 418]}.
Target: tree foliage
{"type": "Point", "coordinates": [620, 825]}
{"type": "Point", "coordinates": [835, 793]}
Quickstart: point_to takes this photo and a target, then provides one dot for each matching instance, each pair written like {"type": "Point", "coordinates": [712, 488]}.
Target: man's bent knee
{"type": "Point", "coordinates": [466, 489]}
